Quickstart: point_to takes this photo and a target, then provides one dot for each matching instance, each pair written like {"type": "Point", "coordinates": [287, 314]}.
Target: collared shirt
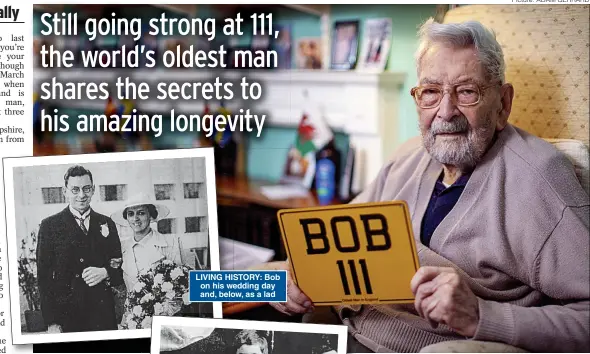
{"type": "Point", "coordinates": [78, 216]}
{"type": "Point", "coordinates": [443, 199]}
{"type": "Point", "coordinates": [139, 256]}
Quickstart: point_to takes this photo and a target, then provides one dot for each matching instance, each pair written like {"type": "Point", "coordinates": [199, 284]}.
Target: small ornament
{"type": "Point", "coordinates": [104, 230]}
{"type": "Point", "coordinates": [116, 262]}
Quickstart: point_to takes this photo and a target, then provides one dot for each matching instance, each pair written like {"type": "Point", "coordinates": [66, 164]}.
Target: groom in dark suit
{"type": "Point", "coordinates": [78, 261]}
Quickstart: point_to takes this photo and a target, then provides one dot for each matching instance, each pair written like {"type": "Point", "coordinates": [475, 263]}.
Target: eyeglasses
{"type": "Point", "coordinates": [464, 94]}
{"type": "Point", "coordinates": [85, 189]}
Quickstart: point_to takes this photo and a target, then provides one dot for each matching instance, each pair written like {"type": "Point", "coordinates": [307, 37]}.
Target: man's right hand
{"type": "Point", "coordinates": [54, 329]}
{"type": "Point", "coordinates": [297, 301]}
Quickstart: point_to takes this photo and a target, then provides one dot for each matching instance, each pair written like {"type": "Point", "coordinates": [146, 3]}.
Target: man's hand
{"type": "Point", "coordinates": [54, 329]}
{"type": "Point", "coordinates": [297, 301]}
{"type": "Point", "coordinates": [93, 275]}
{"type": "Point", "coordinates": [442, 296]}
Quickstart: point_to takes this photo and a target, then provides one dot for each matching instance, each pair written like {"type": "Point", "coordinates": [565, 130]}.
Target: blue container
{"type": "Point", "coordinates": [325, 181]}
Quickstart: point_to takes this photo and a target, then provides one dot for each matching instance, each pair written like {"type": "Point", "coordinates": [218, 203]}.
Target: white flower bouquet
{"type": "Point", "coordinates": [160, 291]}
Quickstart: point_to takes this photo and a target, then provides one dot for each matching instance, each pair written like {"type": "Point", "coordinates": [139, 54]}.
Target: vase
{"type": "Point", "coordinates": [34, 321]}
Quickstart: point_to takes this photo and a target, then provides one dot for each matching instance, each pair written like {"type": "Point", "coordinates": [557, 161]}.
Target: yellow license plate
{"type": "Point", "coordinates": [352, 253]}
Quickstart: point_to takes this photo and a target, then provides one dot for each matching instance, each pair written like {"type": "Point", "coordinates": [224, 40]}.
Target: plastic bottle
{"type": "Point", "coordinates": [327, 175]}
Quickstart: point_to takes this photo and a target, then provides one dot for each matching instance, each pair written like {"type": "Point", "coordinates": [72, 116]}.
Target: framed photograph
{"type": "Point", "coordinates": [345, 45]}
{"type": "Point", "coordinates": [102, 243]}
{"type": "Point", "coordinates": [376, 45]}
{"type": "Point", "coordinates": [283, 45]}
{"type": "Point", "coordinates": [220, 336]}
{"type": "Point", "coordinates": [309, 53]}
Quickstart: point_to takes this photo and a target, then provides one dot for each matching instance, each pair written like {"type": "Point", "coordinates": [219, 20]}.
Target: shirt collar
{"type": "Point", "coordinates": [152, 237]}
{"type": "Point", "coordinates": [460, 182]}
{"type": "Point", "coordinates": [77, 214]}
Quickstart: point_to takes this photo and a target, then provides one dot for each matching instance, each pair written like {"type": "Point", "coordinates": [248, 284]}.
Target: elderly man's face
{"type": "Point", "coordinates": [453, 134]}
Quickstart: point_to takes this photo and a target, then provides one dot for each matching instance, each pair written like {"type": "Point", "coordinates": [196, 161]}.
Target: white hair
{"type": "Point", "coordinates": [464, 35]}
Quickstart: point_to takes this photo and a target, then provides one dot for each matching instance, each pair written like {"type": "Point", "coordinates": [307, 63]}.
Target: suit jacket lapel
{"type": "Point", "coordinates": [93, 227]}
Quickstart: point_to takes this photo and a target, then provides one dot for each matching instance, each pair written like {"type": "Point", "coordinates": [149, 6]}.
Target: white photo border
{"type": "Point", "coordinates": [159, 321]}
{"type": "Point", "coordinates": [8, 165]}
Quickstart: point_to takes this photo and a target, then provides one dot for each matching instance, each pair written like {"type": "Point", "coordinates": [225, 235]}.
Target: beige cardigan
{"type": "Point", "coordinates": [519, 234]}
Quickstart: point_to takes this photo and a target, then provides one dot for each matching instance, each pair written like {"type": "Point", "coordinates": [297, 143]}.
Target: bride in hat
{"type": "Point", "coordinates": [147, 246]}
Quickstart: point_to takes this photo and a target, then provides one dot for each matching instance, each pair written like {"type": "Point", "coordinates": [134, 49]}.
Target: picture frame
{"type": "Point", "coordinates": [376, 45]}
{"type": "Point", "coordinates": [283, 45]}
{"type": "Point", "coordinates": [309, 53]}
{"type": "Point", "coordinates": [46, 199]}
{"type": "Point", "coordinates": [345, 38]}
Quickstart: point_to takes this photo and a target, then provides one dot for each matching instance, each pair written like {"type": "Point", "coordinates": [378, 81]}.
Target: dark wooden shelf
{"type": "Point", "coordinates": [245, 214]}
{"type": "Point", "coordinates": [243, 190]}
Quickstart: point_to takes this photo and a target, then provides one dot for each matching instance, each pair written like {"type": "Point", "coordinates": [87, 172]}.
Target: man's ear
{"type": "Point", "coordinates": [506, 98]}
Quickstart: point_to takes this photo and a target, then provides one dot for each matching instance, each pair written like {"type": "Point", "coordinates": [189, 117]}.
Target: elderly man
{"type": "Point", "coordinates": [500, 219]}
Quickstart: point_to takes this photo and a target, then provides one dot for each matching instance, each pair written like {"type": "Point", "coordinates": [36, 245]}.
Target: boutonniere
{"type": "Point", "coordinates": [116, 262]}
{"type": "Point", "coordinates": [104, 230]}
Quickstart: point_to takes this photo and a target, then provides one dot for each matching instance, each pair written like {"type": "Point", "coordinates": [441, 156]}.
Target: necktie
{"type": "Point", "coordinates": [82, 226]}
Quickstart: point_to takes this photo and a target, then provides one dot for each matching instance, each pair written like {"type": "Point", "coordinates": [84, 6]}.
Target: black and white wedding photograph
{"type": "Point", "coordinates": [172, 335]}
{"type": "Point", "coordinates": [99, 244]}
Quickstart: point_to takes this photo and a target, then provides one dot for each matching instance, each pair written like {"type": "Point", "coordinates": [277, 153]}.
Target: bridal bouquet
{"type": "Point", "coordinates": [160, 291]}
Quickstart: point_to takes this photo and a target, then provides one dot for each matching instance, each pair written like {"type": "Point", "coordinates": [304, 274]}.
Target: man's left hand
{"type": "Point", "coordinates": [93, 275]}
{"type": "Point", "coordinates": [442, 296]}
